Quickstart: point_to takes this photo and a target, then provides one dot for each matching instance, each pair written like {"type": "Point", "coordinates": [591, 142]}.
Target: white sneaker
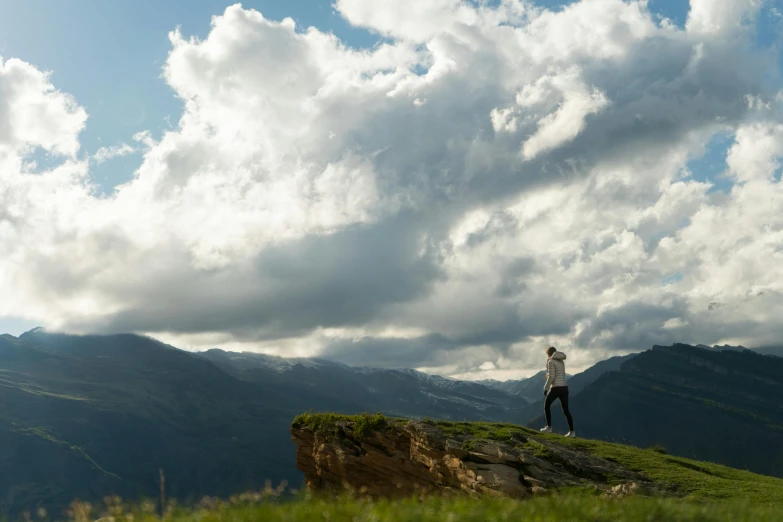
{"type": "Point", "coordinates": [571, 434]}
{"type": "Point", "coordinates": [546, 430]}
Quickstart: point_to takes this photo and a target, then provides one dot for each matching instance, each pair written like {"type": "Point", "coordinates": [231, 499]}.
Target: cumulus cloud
{"type": "Point", "coordinates": [567, 121]}
{"type": "Point", "coordinates": [721, 16]}
{"type": "Point", "coordinates": [485, 181]}
{"type": "Point", "coordinates": [34, 114]}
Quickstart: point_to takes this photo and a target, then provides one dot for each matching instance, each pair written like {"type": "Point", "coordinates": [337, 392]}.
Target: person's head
{"type": "Point", "coordinates": [550, 351]}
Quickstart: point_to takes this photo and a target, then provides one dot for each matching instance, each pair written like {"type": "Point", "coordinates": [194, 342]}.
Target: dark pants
{"type": "Point", "coordinates": [558, 392]}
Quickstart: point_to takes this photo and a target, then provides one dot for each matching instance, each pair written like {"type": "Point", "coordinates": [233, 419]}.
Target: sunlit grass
{"type": "Point", "coordinates": [327, 423]}
{"type": "Point", "coordinates": [694, 479]}
{"type": "Point", "coordinates": [264, 507]}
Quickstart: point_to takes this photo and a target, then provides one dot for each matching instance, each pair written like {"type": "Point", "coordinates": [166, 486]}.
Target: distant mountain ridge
{"type": "Point", "coordinates": [401, 392]}
{"type": "Point", "coordinates": [240, 361]}
{"type": "Point", "coordinates": [531, 388]}
{"type": "Point", "coordinates": [724, 348]}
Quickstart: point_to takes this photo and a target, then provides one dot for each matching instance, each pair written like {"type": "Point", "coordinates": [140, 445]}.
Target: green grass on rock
{"type": "Point", "coordinates": [690, 479]}
{"type": "Point", "coordinates": [328, 423]}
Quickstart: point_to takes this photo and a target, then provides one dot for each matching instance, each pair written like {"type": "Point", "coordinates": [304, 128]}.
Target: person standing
{"type": "Point", "coordinates": [556, 387]}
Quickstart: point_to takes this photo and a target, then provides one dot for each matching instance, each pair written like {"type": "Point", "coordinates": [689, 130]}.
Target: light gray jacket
{"type": "Point", "coordinates": [555, 371]}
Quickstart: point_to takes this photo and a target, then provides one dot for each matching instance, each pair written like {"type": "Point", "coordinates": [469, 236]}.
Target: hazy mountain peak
{"type": "Point", "coordinates": [34, 331]}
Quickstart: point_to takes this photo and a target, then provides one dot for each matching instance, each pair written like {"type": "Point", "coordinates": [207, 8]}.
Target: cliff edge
{"type": "Point", "coordinates": [378, 457]}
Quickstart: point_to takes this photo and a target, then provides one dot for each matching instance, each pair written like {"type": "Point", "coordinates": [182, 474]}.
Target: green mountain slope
{"type": "Point", "coordinates": [78, 423]}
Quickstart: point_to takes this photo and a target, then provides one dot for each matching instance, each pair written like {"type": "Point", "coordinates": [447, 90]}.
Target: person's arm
{"type": "Point", "coordinates": [550, 375]}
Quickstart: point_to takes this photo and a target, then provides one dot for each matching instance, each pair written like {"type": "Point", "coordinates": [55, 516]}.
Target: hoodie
{"type": "Point", "coordinates": [555, 371]}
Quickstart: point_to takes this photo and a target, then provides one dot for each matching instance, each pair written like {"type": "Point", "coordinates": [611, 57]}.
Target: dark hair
{"type": "Point", "coordinates": [551, 350]}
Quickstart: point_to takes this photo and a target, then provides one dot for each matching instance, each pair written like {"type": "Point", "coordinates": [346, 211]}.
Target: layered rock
{"type": "Point", "coordinates": [405, 458]}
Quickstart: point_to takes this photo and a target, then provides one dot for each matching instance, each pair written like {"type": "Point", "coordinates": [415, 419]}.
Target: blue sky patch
{"type": "Point", "coordinates": [711, 167]}
{"type": "Point", "coordinates": [672, 279]}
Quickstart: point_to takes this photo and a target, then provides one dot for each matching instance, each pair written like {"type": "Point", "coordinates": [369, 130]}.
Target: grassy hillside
{"type": "Point", "coordinates": [693, 479]}
{"type": "Point", "coordinates": [688, 479]}
{"type": "Point", "coordinates": [544, 509]}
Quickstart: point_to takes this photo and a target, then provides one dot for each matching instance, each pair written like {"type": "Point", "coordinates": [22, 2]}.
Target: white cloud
{"type": "Point", "coordinates": [490, 181]}
{"type": "Point", "coordinates": [757, 152]}
{"type": "Point", "coordinates": [720, 16]}
{"type": "Point", "coordinates": [115, 151]}
{"type": "Point", "coordinates": [573, 101]}
{"type": "Point", "coordinates": [34, 114]}
{"type": "Point", "coordinates": [409, 19]}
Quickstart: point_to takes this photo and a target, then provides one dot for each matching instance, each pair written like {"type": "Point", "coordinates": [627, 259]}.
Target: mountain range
{"type": "Point", "coordinates": [325, 385]}
{"type": "Point", "coordinates": [87, 416]}
{"type": "Point", "coordinates": [532, 387]}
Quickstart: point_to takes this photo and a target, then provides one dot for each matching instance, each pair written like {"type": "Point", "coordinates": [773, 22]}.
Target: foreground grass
{"type": "Point", "coordinates": [549, 509]}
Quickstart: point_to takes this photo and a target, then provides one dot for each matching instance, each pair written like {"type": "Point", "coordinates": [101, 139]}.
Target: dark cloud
{"type": "Point", "coordinates": [342, 279]}
{"type": "Point", "coordinates": [635, 325]}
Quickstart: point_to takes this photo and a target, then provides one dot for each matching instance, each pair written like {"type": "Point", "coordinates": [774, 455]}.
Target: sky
{"type": "Point", "coordinates": [439, 184]}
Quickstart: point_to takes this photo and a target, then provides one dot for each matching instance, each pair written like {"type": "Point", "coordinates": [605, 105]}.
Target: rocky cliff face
{"type": "Point", "coordinates": [402, 458]}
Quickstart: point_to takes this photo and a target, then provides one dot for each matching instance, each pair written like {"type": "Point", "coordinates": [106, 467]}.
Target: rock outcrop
{"type": "Point", "coordinates": [403, 458]}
